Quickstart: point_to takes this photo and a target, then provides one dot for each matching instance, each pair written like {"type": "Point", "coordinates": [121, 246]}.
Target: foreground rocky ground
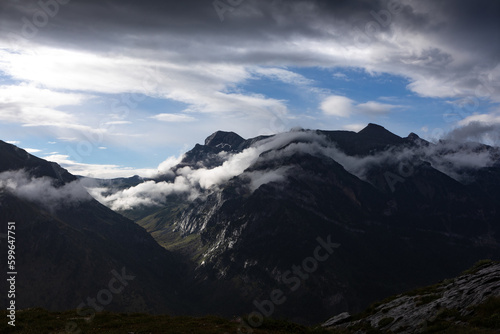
{"type": "Point", "coordinates": [469, 303]}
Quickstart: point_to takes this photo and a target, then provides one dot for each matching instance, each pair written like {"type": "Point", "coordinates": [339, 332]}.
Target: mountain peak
{"type": "Point", "coordinates": [379, 132]}
{"type": "Point", "coordinates": [372, 127]}
{"type": "Point", "coordinates": [415, 139]}
{"type": "Point", "coordinates": [15, 158]}
{"type": "Point", "coordinates": [224, 140]}
{"type": "Point", "coordinates": [413, 136]}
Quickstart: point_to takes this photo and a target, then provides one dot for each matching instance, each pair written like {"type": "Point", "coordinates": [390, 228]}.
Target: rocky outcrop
{"type": "Point", "coordinates": [414, 311]}
{"type": "Point", "coordinates": [224, 140]}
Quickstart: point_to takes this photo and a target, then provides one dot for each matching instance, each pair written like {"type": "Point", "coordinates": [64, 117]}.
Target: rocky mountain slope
{"type": "Point", "coordinates": [70, 249]}
{"type": "Point", "coordinates": [299, 225]}
{"type": "Point", "coordinates": [463, 304]}
{"type": "Point", "coordinates": [404, 213]}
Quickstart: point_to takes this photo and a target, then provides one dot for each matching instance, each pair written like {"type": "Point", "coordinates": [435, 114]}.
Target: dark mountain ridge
{"type": "Point", "coordinates": [392, 213]}
{"type": "Point", "coordinates": [400, 222]}
{"type": "Point", "coordinates": [71, 253]}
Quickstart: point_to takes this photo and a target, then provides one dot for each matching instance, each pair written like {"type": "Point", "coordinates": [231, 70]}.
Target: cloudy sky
{"type": "Point", "coordinates": [113, 88]}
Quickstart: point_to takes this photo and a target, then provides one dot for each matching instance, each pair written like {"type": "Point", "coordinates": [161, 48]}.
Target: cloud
{"type": "Point", "coordinates": [442, 48]}
{"type": "Point", "coordinates": [202, 86]}
{"type": "Point", "coordinates": [375, 108]}
{"type": "Point", "coordinates": [32, 150]}
{"type": "Point", "coordinates": [336, 105]}
{"type": "Point", "coordinates": [118, 123]}
{"type": "Point", "coordinates": [434, 87]}
{"type": "Point", "coordinates": [259, 178]}
{"type": "Point", "coordinates": [149, 193]}
{"type": "Point", "coordinates": [43, 191]}
{"type": "Point", "coordinates": [484, 128]}
{"type": "Point", "coordinates": [166, 166]}
{"type": "Point", "coordinates": [479, 131]}
{"type": "Point", "coordinates": [354, 127]}
{"type": "Point", "coordinates": [173, 118]}
{"type": "Point", "coordinates": [184, 54]}
{"type": "Point", "coordinates": [196, 182]}
{"type": "Point", "coordinates": [97, 170]}
{"type": "Point", "coordinates": [283, 75]}
{"type": "Point", "coordinates": [340, 75]}
{"type": "Point", "coordinates": [27, 104]}
{"type": "Point", "coordinates": [448, 157]}
{"type": "Point", "coordinates": [342, 106]}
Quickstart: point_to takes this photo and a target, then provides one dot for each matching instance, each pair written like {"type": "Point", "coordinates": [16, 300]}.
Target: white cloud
{"type": "Point", "coordinates": [209, 72]}
{"type": "Point", "coordinates": [193, 182]}
{"type": "Point", "coordinates": [491, 118]}
{"type": "Point", "coordinates": [435, 87]}
{"type": "Point", "coordinates": [354, 127]}
{"type": "Point", "coordinates": [98, 170]}
{"type": "Point", "coordinates": [483, 128]}
{"type": "Point", "coordinates": [118, 122]}
{"type": "Point", "coordinates": [174, 118]}
{"type": "Point", "coordinates": [375, 108]}
{"type": "Point", "coordinates": [42, 190]}
{"type": "Point", "coordinates": [259, 178]}
{"type": "Point", "coordinates": [203, 86]}
{"type": "Point", "coordinates": [340, 75]}
{"type": "Point", "coordinates": [41, 97]}
{"type": "Point", "coordinates": [283, 75]}
{"type": "Point", "coordinates": [336, 105]}
{"type": "Point", "coordinates": [148, 193]}
{"type": "Point", "coordinates": [27, 104]}
{"type": "Point", "coordinates": [446, 157]}
{"type": "Point", "coordinates": [166, 166]}
{"type": "Point", "coordinates": [342, 106]}
{"type": "Point", "coordinates": [32, 150]}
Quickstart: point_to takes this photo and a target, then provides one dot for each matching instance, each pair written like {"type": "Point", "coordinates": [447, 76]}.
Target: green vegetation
{"type": "Point", "coordinates": [373, 308]}
{"type": "Point", "coordinates": [484, 319]}
{"type": "Point", "coordinates": [422, 300]}
{"type": "Point", "coordinates": [39, 321]}
{"type": "Point", "coordinates": [385, 322]}
{"type": "Point", "coordinates": [478, 266]}
{"type": "Point", "coordinates": [481, 319]}
{"type": "Point", "coordinates": [161, 225]}
{"type": "Point", "coordinates": [426, 290]}
{"type": "Point", "coordinates": [361, 327]}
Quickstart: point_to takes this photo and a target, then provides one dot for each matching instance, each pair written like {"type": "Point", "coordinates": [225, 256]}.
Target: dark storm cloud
{"type": "Point", "coordinates": [429, 42]}
{"type": "Point", "coordinates": [477, 131]}
{"type": "Point", "coordinates": [252, 19]}
{"type": "Point", "coordinates": [188, 26]}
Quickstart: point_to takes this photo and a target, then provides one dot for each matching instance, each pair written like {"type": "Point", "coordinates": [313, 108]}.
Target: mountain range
{"type": "Point", "coordinates": [70, 247]}
{"type": "Point", "coordinates": [301, 225]}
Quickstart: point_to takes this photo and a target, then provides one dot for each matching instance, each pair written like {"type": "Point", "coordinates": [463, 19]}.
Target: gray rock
{"type": "Point", "coordinates": [336, 319]}
{"type": "Point", "coordinates": [411, 312]}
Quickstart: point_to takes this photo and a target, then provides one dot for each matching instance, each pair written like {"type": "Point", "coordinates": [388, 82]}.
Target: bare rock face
{"type": "Point", "coordinates": [413, 311]}
{"type": "Point", "coordinates": [224, 140]}
{"type": "Point", "coordinates": [339, 318]}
